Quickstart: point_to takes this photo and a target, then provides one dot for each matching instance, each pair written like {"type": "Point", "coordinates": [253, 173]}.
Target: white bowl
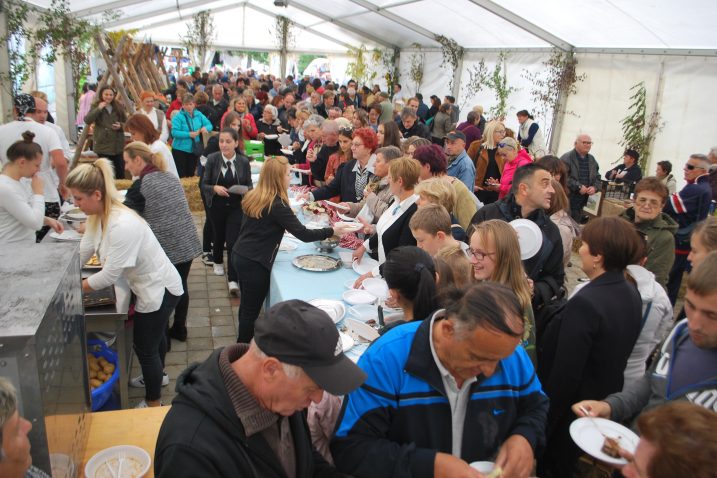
{"type": "Point", "coordinates": [349, 284]}
{"type": "Point", "coordinates": [347, 259]}
{"type": "Point", "coordinates": [333, 308]}
{"type": "Point", "coordinates": [358, 296]}
{"type": "Point", "coordinates": [376, 286]}
{"type": "Point", "coordinates": [364, 312]}
{"type": "Point", "coordinates": [484, 467]}
{"type": "Point", "coordinates": [135, 457]}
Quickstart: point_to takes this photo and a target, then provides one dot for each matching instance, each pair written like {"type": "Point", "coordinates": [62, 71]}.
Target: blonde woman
{"type": "Point", "coordinates": [266, 216]}
{"type": "Point", "coordinates": [438, 190]}
{"type": "Point", "coordinates": [495, 254]}
{"type": "Point", "coordinates": [248, 123]}
{"type": "Point", "coordinates": [489, 166]}
{"type": "Point", "coordinates": [130, 254]}
{"type": "Point", "coordinates": [461, 268]}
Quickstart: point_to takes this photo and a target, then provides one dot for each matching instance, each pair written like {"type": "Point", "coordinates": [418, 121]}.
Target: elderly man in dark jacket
{"type": "Point", "coordinates": [583, 175]}
{"type": "Point", "coordinates": [529, 198]}
{"type": "Point", "coordinates": [240, 413]}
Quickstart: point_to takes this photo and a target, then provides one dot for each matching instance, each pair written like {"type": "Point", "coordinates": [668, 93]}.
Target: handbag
{"type": "Point", "coordinates": [197, 146]}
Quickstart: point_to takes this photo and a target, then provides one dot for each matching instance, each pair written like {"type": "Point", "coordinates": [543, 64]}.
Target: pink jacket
{"type": "Point", "coordinates": [506, 179]}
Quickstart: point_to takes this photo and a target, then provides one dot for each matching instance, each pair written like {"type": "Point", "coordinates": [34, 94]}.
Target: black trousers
{"type": "Point", "coordinates": [226, 222]}
{"type": "Point", "coordinates": [674, 279]}
{"type": "Point", "coordinates": [207, 231]}
{"type": "Point", "coordinates": [186, 163]}
{"type": "Point", "coordinates": [577, 203]}
{"type": "Point", "coordinates": [117, 161]}
{"type": "Point", "coordinates": [150, 344]}
{"type": "Point", "coordinates": [254, 280]}
{"type": "Point", "coordinates": [180, 310]}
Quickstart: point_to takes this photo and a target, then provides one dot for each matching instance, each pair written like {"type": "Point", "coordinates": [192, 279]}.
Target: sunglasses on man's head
{"type": "Point", "coordinates": [346, 130]}
{"type": "Point", "coordinates": [505, 145]}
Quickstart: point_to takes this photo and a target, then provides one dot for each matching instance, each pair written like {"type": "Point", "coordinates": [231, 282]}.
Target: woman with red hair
{"type": "Point", "coordinates": [141, 129]}
{"type": "Point", "coordinates": [352, 177]}
{"type": "Point", "coordinates": [155, 116]}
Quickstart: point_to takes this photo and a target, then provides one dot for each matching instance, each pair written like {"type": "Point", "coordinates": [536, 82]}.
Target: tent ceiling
{"type": "Point", "coordinates": [332, 25]}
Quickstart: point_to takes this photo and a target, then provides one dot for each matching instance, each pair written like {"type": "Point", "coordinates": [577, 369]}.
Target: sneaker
{"type": "Point", "coordinates": [218, 269]}
{"type": "Point", "coordinates": [207, 259]}
{"type": "Point", "coordinates": [143, 404]}
{"type": "Point", "coordinates": [233, 289]}
{"type": "Point", "coordinates": [138, 382]}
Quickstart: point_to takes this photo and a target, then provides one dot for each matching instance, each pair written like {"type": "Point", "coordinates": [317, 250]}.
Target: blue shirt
{"type": "Point", "coordinates": [463, 168]}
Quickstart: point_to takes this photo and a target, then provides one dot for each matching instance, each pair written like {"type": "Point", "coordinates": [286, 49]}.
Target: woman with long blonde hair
{"type": "Point", "coordinates": [495, 254]}
{"type": "Point", "coordinates": [127, 249]}
{"type": "Point", "coordinates": [267, 215]}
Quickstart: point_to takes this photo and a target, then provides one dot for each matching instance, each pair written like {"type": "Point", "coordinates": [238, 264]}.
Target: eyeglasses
{"type": "Point", "coordinates": [645, 202]}
{"type": "Point", "coordinates": [690, 167]}
{"type": "Point", "coordinates": [479, 255]}
{"type": "Point", "coordinates": [499, 131]}
{"type": "Point", "coordinates": [356, 145]}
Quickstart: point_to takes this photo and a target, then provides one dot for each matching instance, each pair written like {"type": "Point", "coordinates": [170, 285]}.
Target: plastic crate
{"type": "Point", "coordinates": [254, 150]}
{"type": "Point", "coordinates": [101, 394]}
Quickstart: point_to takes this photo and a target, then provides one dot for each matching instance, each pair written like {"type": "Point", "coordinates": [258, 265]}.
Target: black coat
{"type": "Point", "coordinates": [343, 185]}
{"type": "Point", "coordinates": [259, 238]}
{"type": "Point", "coordinates": [203, 436]}
{"type": "Point", "coordinates": [398, 234]}
{"type": "Point", "coordinates": [546, 267]}
{"type": "Point", "coordinates": [213, 168]}
{"type": "Point", "coordinates": [318, 167]}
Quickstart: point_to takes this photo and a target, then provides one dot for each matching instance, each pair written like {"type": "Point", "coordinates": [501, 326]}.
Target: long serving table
{"type": "Point", "coordinates": [290, 282]}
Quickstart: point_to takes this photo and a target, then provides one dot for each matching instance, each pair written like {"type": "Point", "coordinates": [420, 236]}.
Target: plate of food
{"type": "Point", "coordinates": [337, 205]}
{"type": "Point", "coordinates": [93, 263]}
{"type": "Point", "coordinates": [603, 439]}
{"type": "Point", "coordinates": [76, 214]}
{"type": "Point", "coordinates": [366, 265]}
{"type": "Point", "coordinates": [68, 235]}
{"type": "Point", "coordinates": [287, 151]}
{"type": "Point", "coordinates": [333, 308]}
{"type": "Point", "coordinates": [121, 461]}
{"type": "Point", "coordinates": [317, 263]}
{"type": "Point", "coordinates": [271, 136]}
{"type": "Point", "coordinates": [287, 245]}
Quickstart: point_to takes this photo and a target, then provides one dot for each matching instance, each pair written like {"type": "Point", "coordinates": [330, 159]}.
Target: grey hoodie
{"type": "Point", "coordinates": [651, 390]}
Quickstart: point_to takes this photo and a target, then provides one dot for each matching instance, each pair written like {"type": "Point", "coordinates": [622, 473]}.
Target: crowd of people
{"type": "Point", "coordinates": [492, 358]}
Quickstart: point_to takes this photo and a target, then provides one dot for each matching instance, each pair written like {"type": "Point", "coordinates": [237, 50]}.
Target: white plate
{"type": "Point", "coordinates": [346, 218]}
{"type": "Point", "coordinates": [100, 459]}
{"type": "Point", "coordinates": [364, 312]}
{"type": "Point", "coordinates": [347, 342]}
{"type": "Point", "coordinates": [376, 286]}
{"type": "Point", "coordinates": [334, 308]}
{"type": "Point", "coordinates": [67, 235]}
{"type": "Point", "coordinates": [351, 226]}
{"type": "Point", "coordinates": [484, 467]}
{"type": "Point", "coordinates": [590, 440]}
{"type": "Point", "coordinates": [287, 245]}
{"type": "Point", "coordinates": [287, 151]}
{"type": "Point", "coordinates": [271, 136]}
{"type": "Point", "coordinates": [337, 205]}
{"type": "Point", "coordinates": [358, 296]}
{"type": "Point", "coordinates": [76, 214]}
{"type": "Point", "coordinates": [349, 284]}
{"type": "Point", "coordinates": [529, 237]}
{"type": "Point", "coordinates": [296, 203]}
{"type": "Point", "coordinates": [367, 265]}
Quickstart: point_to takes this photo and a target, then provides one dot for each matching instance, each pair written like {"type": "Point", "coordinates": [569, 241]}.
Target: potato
{"type": "Point", "coordinates": [94, 366]}
{"type": "Point", "coordinates": [108, 369]}
{"type": "Point", "coordinates": [102, 361]}
{"type": "Point", "coordinates": [94, 383]}
{"type": "Point", "coordinates": [102, 376]}
{"type": "Point", "coordinates": [93, 374]}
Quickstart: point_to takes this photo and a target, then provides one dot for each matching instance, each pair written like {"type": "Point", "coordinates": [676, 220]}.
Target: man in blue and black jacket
{"type": "Point", "coordinates": [445, 392]}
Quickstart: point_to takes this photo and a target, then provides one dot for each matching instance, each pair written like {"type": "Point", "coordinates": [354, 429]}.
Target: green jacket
{"type": "Point", "coordinates": [660, 234]}
{"type": "Point", "coordinates": [106, 140]}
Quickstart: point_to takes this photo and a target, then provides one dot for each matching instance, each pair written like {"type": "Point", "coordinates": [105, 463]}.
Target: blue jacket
{"type": "Point", "coordinates": [180, 129]}
{"type": "Point", "coordinates": [692, 203]}
{"type": "Point", "coordinates": [396, 422]}
{"type": "Point", "coordinates": [463, 168]}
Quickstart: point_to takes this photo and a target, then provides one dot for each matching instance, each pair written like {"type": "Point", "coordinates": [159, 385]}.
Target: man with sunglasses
{"type": "Point", "coordinates": [688, 207]}
{"type": "Point", "coordinates": [583, 175]}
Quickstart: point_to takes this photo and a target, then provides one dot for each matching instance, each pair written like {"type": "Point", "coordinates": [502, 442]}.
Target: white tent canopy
{"type": "Point", "coordinates": [668, 45]}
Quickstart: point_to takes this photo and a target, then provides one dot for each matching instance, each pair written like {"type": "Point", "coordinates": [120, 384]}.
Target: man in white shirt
{"type": "Point", "coordinates": [40, 115]}
{"type": "Point", "coordinates": [52, 154]}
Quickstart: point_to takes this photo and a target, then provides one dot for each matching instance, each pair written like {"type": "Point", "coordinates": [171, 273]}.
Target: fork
{"type": "Point", "coordinates": [592, 420]}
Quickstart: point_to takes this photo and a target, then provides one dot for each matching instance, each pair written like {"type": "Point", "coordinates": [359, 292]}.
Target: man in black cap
{"type": "Point", "coordinates": [240, 413]}
{"type": "Point", "coordinates": [629, 172]}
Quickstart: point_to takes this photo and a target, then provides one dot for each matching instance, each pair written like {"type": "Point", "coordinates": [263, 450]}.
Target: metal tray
{"type": "Point", "coordinates": [316, 263]}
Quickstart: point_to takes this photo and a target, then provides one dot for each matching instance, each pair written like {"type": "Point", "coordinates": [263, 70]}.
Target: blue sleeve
{"type": "Point", "coordinates": [180, 128]}
{"type": "Point", "coordinates": [361, 446]}
{"type": "Point", "coordinates": [531, 134]}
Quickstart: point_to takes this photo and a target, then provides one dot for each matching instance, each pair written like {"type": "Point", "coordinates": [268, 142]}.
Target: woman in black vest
{"type": "Point", "coordinates": [226, 178]}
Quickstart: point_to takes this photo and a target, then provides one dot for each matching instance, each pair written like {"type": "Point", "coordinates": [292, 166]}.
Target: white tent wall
{"type": "Point", "coordinates": [685, 106]}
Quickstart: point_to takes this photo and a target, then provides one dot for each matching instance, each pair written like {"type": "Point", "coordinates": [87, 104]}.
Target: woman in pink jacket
{"type": "Point", "coordinates": [512, 159]}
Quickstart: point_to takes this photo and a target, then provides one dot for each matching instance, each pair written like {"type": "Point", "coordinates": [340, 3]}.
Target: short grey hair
{"type": "Point", "coordinates": [703, 159]}
{"type": "Point", "coordinates": [408, 113]}
{"type": "Point", "coordinates": [8, 401]}
{"type": "Point", "coordinates": [218, 87]}
{"type": "Point", "coordinates": [330, 126]}
{"type": "Point", "coordinates": [292, 371]}
{"type": "Point", "coordinates": [272, 110]}
{"type": "Point", "coordinates": [713, 152]}
{"type": "Point", "coordinates": [314, 120]}
{"type": "Point", "coordinates": [389, 152]}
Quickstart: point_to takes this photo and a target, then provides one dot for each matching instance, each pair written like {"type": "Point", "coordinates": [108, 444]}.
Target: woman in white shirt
{"type": "Point", "coordinates": [129, 253]}
{"type": "Point", "coordinates": [141, 129]}
{"type": "Point", "coordinates": [155, 116]}
{"type": "Point", "coordinates": [22, 212]}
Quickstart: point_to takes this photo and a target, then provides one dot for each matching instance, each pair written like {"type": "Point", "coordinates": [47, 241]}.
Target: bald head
{"type": "Point", "coordinates": [583, 143]}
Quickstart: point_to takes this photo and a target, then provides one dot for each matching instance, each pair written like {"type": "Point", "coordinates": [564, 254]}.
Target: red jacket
{"type": "Point", "coordinates": [506, 179]}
